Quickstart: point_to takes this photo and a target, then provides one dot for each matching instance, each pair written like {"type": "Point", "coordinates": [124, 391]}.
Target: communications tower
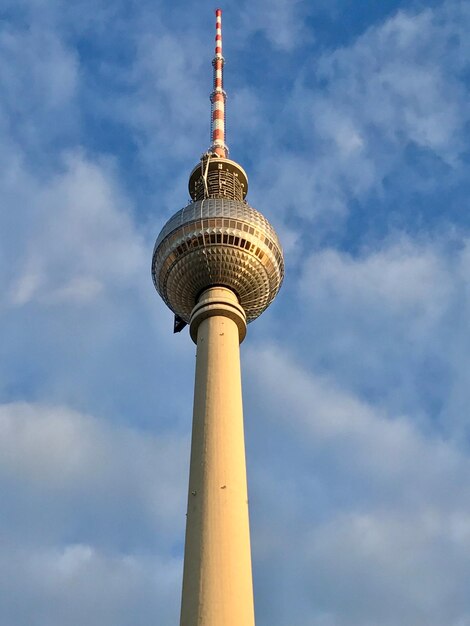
{"type": "Point", "coordinates": [217, 264]}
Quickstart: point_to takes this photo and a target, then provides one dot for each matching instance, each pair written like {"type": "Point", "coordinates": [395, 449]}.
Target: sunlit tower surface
{"type": "Point", "coordinates": [217, 264]}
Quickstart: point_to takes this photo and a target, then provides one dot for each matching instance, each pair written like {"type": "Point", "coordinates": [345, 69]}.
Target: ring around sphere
{"type": "Point", "coordinates": [218, 242]}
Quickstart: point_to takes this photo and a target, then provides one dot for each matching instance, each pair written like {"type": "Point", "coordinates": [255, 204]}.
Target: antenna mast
{"type": "Point", "coordinates": [218, 96]}
{"type": "Point", "coordinates": [216, 176]}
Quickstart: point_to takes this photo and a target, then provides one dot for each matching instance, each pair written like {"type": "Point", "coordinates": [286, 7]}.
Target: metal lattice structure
{"type": "Point", "coordinates": [214, 177]}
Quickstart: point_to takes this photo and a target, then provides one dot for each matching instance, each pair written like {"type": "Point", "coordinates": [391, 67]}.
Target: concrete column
{"type": "Point", "coordinates": [217, 581]}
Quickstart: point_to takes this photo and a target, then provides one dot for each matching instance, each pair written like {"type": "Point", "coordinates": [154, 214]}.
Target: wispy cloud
{"type": "Point", "coordinates": [355, 112]}
{"type": "Point", "coordinates": [375, 504]}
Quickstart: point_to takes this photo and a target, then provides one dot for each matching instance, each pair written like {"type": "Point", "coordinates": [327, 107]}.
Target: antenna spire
{"type": "Point", "coordinates": [216, 176]}
{"type": "Point", "coordinates": [218, 96]}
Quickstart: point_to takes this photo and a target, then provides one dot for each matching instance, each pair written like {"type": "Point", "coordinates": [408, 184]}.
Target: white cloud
{"type": "Point", "coordinates": [281, 21]}
{"type": "Point", "coordinates": [410, 565]}
{"type": "Point", "coordinates": [121, 491]}
{"type": "Point", "coordinates": [404, 279]}
{"type": "Point", "coordinates": [424, 104]}
{"type": "Point", "coordinates": [355, 112]}
{"type": "Point", "coordinates": [389, 322]}
{"type": "Point", "coordinates": [370, 520]}
{"type": "Point", "coordinates": [165, 77]}
{"type": "Point", "coordinates": [388, 447]}
{"type": "Point", "coordinates": [32, 59]}
{"type": "Point", "coordinates": [77, 236]}
{"type": "Point", "coordinates": [40, 82]}
{"type": "Point", "coordinates": [60, 451]}
{"type": "Point", "coordinates": [79, 583]}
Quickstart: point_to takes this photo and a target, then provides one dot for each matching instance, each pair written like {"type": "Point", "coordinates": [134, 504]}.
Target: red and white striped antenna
{"type": "Point", "coordinates": [218, 96]}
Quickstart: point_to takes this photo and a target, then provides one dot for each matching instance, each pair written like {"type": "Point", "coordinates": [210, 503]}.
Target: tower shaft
{"type": "Point", "coordinates": [217, 580]}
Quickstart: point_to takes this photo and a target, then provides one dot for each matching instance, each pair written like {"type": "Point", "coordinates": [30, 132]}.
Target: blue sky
{"type": "Point", "coordinates": [352, 120]}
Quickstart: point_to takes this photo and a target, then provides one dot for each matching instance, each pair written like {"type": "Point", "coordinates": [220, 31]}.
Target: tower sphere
{"type": "Point", "coordinates": [218, 242]}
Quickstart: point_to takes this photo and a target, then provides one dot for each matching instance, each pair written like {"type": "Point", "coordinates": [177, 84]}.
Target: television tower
{"type": "Point", "coordinates": [217, 264]}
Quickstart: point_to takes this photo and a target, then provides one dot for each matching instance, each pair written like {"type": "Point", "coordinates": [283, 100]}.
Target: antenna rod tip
{"type": "Point", "coordinates": [218, 12]}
